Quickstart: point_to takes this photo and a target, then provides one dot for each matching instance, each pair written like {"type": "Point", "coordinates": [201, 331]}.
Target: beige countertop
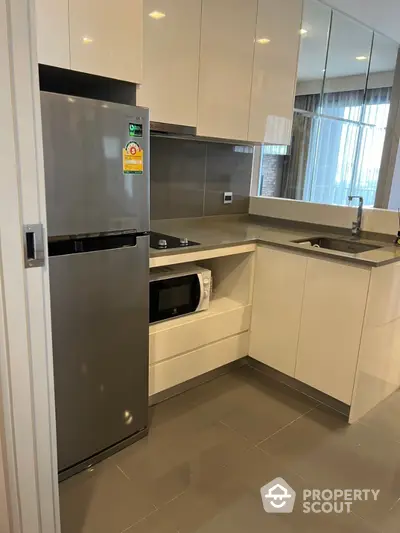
{"type": "Point", "coordinates": [218, 232]}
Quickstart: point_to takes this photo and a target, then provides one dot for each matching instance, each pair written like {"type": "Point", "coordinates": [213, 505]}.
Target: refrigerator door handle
{"type": "Point", "coordinates": [33, 245]}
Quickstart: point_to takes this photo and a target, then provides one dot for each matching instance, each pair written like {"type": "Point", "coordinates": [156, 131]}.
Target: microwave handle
{"type": "Point", "coordinates": [201, 281]}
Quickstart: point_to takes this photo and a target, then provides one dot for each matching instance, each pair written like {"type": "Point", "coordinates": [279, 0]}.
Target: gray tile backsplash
{"type": "Point", "coordinates": [228, 169]}
{"type": "Point", "coordinates": [177, 174]}
{"type": "Point", "coordinates": [188, 178]}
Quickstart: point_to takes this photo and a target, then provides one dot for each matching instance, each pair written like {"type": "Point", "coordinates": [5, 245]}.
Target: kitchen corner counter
{"type": "Point", "coordinates": [219, 232]}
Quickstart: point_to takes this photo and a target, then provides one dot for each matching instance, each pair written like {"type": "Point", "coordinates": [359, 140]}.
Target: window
{"type": "Point", "coordinates": [336, 150]}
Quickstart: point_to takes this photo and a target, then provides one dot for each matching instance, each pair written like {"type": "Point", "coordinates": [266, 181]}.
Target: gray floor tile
{"type": "Point", "coordinates": [211, 491]}
{"type": "Point", "coordinates": [391, 524]}
{"type": "Point", "coordinates": [165, 468]}
{"type": "Point", "coordinates": [171, 410]}
{"type": "Point", "coordinates": [224, 502]}
{"type": "Point", "coordinates": [262, 407]}
{"type": "Point", "coordinates": [216, 389]}
{"type": "Point", "coordinates": [250, 403]}
{"type": "Point", "coordinates": [385, 417]}
{"type": "Point", "coordinates": [328, 453]}
{"type": "Point", "coordinates": [247, 515]}
{"type": "Point", "coordinates": [157, 522]}
{"type": "Point", "coordinates": [211, 449]}
{"type": "Point", "coordinates": [101, 501]}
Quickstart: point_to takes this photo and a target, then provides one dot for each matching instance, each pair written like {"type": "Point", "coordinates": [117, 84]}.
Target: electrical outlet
{"type": "Point", "coordinates": [228, 197]}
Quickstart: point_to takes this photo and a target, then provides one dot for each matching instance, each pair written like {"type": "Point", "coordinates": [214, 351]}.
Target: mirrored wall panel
{"type": "Point", "coordinates": [347, 68]}
{"type": "Point", "coordinates": [312, 55]}
{"type": "Point", "coordinates": [380, 81]}
{"type": "Point", "coordinates": [343, 96]}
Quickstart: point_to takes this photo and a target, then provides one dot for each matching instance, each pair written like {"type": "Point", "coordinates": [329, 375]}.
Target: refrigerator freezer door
{"type": "Point", "coordinates": [100, 330]}
{"type": "Point", "coordinates": [89, 189]}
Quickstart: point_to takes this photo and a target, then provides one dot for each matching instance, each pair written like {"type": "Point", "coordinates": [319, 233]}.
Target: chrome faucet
{"type": "Point", "coordinates": [356, 226]}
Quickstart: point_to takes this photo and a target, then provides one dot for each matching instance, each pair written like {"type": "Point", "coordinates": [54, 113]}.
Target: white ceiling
{"type": "Point", "coordinates": [349, 40]}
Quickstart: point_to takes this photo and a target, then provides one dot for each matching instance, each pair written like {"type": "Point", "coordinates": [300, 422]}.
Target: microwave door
{"type": "Point", "coordinates": [173, 297]}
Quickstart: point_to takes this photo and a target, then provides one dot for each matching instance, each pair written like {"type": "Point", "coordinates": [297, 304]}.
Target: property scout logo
{"type": "Point", "coordinates": [279, 497]}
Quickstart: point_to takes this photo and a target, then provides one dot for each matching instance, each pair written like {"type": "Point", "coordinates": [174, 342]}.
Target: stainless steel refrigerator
{"type": "Point", "coordinates": [97, 192]}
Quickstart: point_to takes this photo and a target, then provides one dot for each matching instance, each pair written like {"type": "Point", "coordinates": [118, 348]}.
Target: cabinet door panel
{"type": "Point", "coordinates": [334, 302]}
{"type": "Point", "coordinates": [226, 66]}
{"type": "Point", "coordinates": [52, 30]}
{"type": "Point", "coordinates": [171, 61]}
{"type": "Point", "coordinates": [107, 38]}
{"type": "Point", "coordinates": [275, 70]}
{"type": "Point", "coordinates": [277, 301]}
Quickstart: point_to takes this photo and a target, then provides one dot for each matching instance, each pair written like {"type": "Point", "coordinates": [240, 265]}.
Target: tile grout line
{"type": "Point", "coordinates": [174, 498]}
{"type": "Point", "coordinates": [234, 431]}
{"type": "Point", "coordinates": [122, 472]}
{"type": "Point", "coordinates": [284, 427]}
{"type": "Point", "coordinates": [366, 521]}
{"type": "Point", "coordinates": [155, 510]}
{"type": "Point", "coordinates": [395, 504]}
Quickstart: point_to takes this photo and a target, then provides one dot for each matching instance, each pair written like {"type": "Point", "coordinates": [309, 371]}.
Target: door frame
{"type": "Point", "coordinates": [29, 501]}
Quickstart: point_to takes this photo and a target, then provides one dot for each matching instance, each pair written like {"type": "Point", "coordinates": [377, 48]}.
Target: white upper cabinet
{"type": "Point", "coordinates": [106, 38]}
{"type": "Point", "coordinates": [171, 60]}
{"type": "Point", "coordinates": [275, 70]}
{"type": "Point", "coordinates": [52, 32]}
{"type": "Point", "coordinates": [226, 66]}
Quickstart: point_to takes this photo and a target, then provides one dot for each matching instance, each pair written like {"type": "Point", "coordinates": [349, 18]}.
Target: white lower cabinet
{"type": "Point", "coordinates": [335, 296]}
{"type": "Point", "coordinates": [277, 302]}
{"type": "Point", "coordinates": [307, 319]}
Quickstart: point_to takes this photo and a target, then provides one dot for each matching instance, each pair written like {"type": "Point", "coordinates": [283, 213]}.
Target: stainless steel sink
{"type": "Point", "coordinates": [340, 245]}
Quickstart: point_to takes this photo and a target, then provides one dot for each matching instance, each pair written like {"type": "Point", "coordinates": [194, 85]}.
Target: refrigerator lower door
{"type": "Point", "coordinates": [99, 303]}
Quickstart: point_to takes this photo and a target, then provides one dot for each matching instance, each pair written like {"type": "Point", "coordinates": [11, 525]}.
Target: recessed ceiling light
{"type": "Point", "coordinates": [87, 40]}
{"type": "Point", "coordinates": [303, 31]}
{"type": "Point", "coordinates": [263, 40]}
{"type": "Point", "coordinates": [361, 58]}
{"type": "Point", "coordinates": [104, 105]}
{"type": "Point", "coordinates": [71, 100]}
{"type": "Point", "coordinates": [157, 15]}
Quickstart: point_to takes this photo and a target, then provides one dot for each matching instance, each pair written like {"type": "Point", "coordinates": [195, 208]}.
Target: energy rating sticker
{"type": "Point", "coordinates": [132, 158]}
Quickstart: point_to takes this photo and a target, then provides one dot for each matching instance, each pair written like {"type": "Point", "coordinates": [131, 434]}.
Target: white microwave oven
{"type": "Point", "coordinates": [179, 290]}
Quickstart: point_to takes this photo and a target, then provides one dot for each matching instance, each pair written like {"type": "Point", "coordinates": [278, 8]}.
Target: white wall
{"type": "Point", "coordinates": [382, 15]}
{"type": "Point", "coordinates": [374, 220]}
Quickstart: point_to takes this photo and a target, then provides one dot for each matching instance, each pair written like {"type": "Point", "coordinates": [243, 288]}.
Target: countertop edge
{"type": "Point", "coordinates": [315, 252]}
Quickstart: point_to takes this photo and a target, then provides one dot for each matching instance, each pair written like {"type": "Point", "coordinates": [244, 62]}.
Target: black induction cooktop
{"type": "Point", "coordinates": [160, 241]}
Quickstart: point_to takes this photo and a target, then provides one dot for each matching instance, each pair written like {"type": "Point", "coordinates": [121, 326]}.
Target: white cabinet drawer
{"type": "Point", "coordinates": [174, 371]}
{"type": "Point", "coordinates": [203, 328]}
